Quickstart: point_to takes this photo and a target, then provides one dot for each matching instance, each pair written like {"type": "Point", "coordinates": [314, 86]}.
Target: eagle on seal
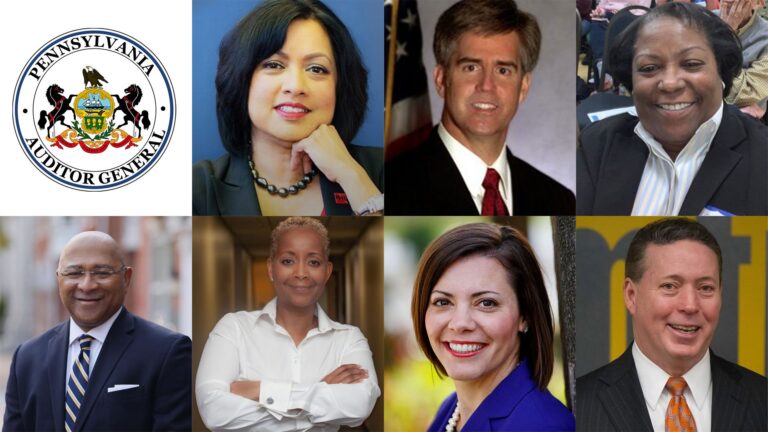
{"type": "Point", "coordinates": [93, 77]}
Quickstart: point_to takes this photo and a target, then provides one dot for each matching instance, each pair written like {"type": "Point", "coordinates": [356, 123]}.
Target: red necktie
{"type": "Point", "coordinates": [679, 417]}
{"type": "Point", "coordinates": [493, 205]}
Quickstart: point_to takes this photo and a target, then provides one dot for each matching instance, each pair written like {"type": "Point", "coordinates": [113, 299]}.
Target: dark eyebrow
{"type": "Point", "coordinates": [482, 293]}
{"type": "Point", "coordinates": [681, 52]}
{"type": "Point", "coordinates": [507, 63]}
{"type": "Point", "coordinates": [691, 48]}
{"type": "Point", "coordinates": [310, 56]}
{"type": "Point", "coordinates": [477, 294]}
{"type": "Point", "coordinates": [292, 253]}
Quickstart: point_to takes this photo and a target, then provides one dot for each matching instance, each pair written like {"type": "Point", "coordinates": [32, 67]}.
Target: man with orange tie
{"type": "Point", "coordinates": [669, 379]}
{"type": "Point", "coordinates": [485, 52]}
{"type": "Point", "coordinates": [104, 368]}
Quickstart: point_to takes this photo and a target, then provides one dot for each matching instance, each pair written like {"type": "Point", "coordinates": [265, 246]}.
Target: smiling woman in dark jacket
{"type": "Point", "coordinates": [291, 94]}
{"type": "Point", "coordinates": [686, 152]}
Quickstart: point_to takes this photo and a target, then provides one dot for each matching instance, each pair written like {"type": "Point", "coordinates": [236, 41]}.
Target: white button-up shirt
{"type": "Point", "coordinates": [99, 335]}
{"type": "Point", "coordinates": [252, 346]}
{"type": "Point", "coordinates": [473, 169]}
{"type": "Point", "coordinates": [698, 394]}
{"type": "Point", "coordinates": [665, 182]}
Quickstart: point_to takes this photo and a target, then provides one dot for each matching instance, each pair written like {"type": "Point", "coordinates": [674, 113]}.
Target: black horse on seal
{"type": "Point", "coordinates": [61, 104]}
{"type": "Point", "coordinates": [127, 104]}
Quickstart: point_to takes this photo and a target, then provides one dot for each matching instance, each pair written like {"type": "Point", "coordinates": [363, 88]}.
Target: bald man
{"type": "Point", "coordinates": [104, 368]}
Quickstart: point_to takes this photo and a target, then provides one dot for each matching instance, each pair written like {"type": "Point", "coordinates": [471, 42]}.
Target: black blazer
{"type": "Point", "coordinates": [135, 352]}
{"type": "Point", "coordinates": [611, 158]}
{"type": "Point", "coordinates": [425, 181]}
{"type": "Point", "coordinates": [611, 399]}
{"type": "Point", "coordinates": [224, 187]}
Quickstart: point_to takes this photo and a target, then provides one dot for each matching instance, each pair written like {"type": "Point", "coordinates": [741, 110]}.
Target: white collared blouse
{"type": "Point", "coordinates": [252, 346]}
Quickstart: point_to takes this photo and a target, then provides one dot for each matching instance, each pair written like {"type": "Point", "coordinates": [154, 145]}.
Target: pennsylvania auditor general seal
{"type": "Point", "coordinates": [94, 109]}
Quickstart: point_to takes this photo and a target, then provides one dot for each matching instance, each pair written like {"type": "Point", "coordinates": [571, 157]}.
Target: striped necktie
{"type": "Point", "coordinates": [77, 383]}
{"type": "Point", "coordinates": [679, 416]}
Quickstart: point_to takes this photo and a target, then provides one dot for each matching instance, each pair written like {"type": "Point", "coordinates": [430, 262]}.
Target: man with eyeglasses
{"type": "Point", "coordinates": [103, 369]}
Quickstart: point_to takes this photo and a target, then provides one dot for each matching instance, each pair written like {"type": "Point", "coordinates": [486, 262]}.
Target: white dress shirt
{"type": "Point", "coordinates": [665, 182]}
{"type": "Point", "coordinates": [698, 394]}
{"type": "Point", "coordinates": [99, 335]}
{"type": "Point", "coordinates": [252, 346]}
{"type": "Point", "coordinates": [473, 169]}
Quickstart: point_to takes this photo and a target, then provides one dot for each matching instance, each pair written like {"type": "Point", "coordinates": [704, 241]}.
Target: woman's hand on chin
{"type": "Point", "coordinates": [327, 151]}
{"type": "Point", "coordinates": [325, 148]}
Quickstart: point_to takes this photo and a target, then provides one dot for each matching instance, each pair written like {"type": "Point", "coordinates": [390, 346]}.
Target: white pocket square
{"type": "Point", "coordinates": [121, 387]}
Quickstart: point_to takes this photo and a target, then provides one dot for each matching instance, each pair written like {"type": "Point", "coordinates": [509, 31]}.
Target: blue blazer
{"type": "Point", "coordinates": [516, 404]}
{"type": "Point", "coordinates": [135, 352]}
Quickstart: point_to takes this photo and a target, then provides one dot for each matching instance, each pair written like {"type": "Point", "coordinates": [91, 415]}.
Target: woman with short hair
{"type": "Point", "coordinates": [288, 366]}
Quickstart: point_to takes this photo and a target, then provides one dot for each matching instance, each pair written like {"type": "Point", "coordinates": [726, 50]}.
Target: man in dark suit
{"type": "Point", "coordinates": [669, 378]}
{"type": "Point", "coordinates": [486, 51]}
{"type": "Point", "coordinates": [103, 369]}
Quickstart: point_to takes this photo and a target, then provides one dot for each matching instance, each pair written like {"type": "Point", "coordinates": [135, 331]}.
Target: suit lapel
{"type": "Point", "coordinates": [728, 408]}
{"type": "Point", "coordinates": [56, 365]}
{"type": "Point", "coordinates": [517, 185]}
{"type": "Point", "coordinates": [503, 400]}
{"type": "Point", "coordinates": [718, 163]}
{"type": "Point", "coordinates": [118, 339]}
{"type": "Point", "coordinates": [235, 193]}
{"type": "Point", "coordinates": [445, 186]}
{"type": "Point", "coordinates": [623, 397]}
{"type": "Point", "coordinates": [624, 165]}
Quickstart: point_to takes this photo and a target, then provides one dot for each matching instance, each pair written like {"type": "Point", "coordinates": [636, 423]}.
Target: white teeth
{"type": "Point", "coordinates": [688, 329]}
{"type": "Point", "coordinates": [484, 106]}
{"type": "Point", "coordinates": [675, 107]}
{"type": "Point", "coordinates": [290, 109]}
{"type": "Point", "coordinates": [465, 348]}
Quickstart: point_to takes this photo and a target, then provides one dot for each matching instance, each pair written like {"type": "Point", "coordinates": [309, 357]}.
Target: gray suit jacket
{"type": "Point", "coordinates": [611, 399]}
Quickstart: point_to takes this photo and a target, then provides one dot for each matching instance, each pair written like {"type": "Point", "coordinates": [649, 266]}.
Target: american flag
{"type": "Point", "coordinates": [408, 119]}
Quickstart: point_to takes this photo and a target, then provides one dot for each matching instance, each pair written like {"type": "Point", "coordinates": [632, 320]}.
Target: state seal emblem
{"type": "Point", "coordinates": [94, 109]}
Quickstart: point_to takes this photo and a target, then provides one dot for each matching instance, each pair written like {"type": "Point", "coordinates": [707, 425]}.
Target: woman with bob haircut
{"type": "Point", "coordinates": [482, 317]}
{"type": "Point", "coordinates": [291, 92]}
{"type": "Point", "coordinates": [288, 366]}
{"type": "Point", "coordinates": [686, 152]}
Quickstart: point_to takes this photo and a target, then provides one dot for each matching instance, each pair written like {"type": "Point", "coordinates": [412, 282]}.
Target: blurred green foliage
{"type": "Point", "coordinates": [413, 394]}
